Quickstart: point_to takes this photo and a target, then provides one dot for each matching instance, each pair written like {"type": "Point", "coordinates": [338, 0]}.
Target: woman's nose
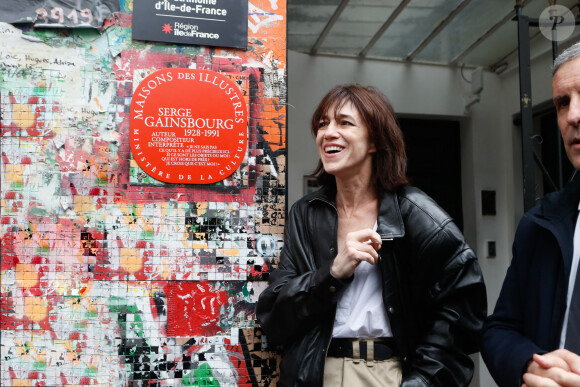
{"type": "Point", "coordinates": [330, 130]}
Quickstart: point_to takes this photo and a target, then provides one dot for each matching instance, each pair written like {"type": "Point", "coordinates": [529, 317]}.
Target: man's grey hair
{"type": "Point", "coordinates": [567, 55]}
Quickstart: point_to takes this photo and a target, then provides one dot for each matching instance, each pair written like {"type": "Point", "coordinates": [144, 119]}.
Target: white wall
{"type": "Point", "coordinates": [491, 158]}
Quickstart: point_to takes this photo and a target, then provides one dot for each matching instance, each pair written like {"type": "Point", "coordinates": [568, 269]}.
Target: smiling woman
{"type": "Point", "coordinates": [373, 272]}
{"type": "Point", "coordinates": [343, 143]}
{"type": "Point", "coordinates": [371, 109]}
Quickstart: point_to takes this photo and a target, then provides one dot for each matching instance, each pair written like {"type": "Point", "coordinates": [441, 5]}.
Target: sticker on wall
{"type": "Point", "coordinates": [188, 126]}
{"type": "Point", "coordinates": [266, 245]}
{"type": "Point", "coordinates": [58, 13]}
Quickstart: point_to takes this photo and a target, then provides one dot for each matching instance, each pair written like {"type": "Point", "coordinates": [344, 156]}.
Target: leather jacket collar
{"type": "Point", "coordinates": [390, 220]}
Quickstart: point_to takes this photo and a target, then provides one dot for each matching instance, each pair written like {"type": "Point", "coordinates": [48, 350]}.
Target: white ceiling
{"type": "Point", "coordinates": [447, 32]}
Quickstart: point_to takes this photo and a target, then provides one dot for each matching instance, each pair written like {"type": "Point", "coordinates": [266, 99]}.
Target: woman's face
{"type": "Point", "coordinates": [343, 143]}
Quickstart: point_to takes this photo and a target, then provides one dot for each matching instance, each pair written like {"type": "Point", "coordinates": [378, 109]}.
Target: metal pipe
{"type": "Point", "coordinates": [488, 33]}
{"type": "Point", "coordinates": [384, 27]}
{"type": "Point", "coordinates": [438, 29]}
{"type": "Point", "coordinates": [328, 26]}
{"type": "Point", "coordinates": [526, 108]}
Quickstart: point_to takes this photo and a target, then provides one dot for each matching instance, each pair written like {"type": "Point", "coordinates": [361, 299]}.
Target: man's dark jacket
{"type": "Point", "coordinates": [433, 290]}
{"type": "Point", "coordinates": [530, 310]}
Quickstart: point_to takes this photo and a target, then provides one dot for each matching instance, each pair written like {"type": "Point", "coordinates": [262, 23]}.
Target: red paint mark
{"type": "Point", "coordinates": [37, 259]}
{"type": "Point", "coordinates": [236, 356]}
{"type": "Point", "coordinates": [68, 185]}
{"type": "Point", "coordinates": [8, 259]}
{"type": "Point", "coordinates": [34, 291]}
{"type": "Point", "coordinates": [193, 308]}
{"type": "Point", "coordinates": [7, 220]}
{"type": "Point", "coordinates": [120, 19]}
{"type": "Point", "coordinates": [74, 336]}
{"type": "Point", "coordinates": [36, 128]}
{"type": "Point", "coordinates": [194, 349]}
{"type": "Point", "coordinates": [104, 272]}
{"type": "Point", "coordinates": [142, 245]}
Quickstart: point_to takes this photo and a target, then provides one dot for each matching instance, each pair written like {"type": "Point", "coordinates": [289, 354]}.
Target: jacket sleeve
{"type": "Point", "coordinates": [451, 289]}
{"type": "Point", "coordinates": [299, 294]}
{"type": "Point", "coordinates": [504, 347]}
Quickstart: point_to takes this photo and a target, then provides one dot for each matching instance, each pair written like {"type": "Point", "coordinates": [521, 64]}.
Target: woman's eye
{"type": "Point", "coordinates": [322, 124]}
{"type": "Point", "coordinates": [346, 123]}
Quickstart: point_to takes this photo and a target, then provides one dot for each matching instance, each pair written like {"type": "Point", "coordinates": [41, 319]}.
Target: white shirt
{"type": "Point", "coordinates": [572, 279]}
{"type": "Point", "coordinates": [361, 312]}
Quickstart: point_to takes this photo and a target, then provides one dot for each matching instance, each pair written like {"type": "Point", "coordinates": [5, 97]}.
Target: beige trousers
{"type": "Point", "coordinates": [347, 372]}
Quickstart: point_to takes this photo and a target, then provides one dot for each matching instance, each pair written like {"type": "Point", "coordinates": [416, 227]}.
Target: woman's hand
{"type": "Point", "coordinates": [362, 245]}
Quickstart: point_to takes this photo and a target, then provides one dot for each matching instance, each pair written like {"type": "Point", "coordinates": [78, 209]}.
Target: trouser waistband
{"type": "Point", "coordinates": [368, 349]}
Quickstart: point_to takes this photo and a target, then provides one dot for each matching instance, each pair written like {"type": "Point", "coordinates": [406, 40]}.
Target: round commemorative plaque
{"type": "Point", "coordinates": [188, 126]}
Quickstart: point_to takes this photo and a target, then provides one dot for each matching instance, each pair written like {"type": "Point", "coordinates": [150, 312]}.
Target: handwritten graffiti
{"type": "Point", "coordinates": [260, 18]}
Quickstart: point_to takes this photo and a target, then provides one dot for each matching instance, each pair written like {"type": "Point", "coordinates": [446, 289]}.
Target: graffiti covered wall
{"type": "Point", "coordinates": [108, 276]}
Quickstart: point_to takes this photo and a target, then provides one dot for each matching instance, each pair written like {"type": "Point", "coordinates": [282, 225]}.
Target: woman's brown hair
{"type": "Point", "coordinates": [390, 160]}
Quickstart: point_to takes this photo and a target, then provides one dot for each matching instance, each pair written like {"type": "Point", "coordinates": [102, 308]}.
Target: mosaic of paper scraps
{"type": "Point", "coordinates": [108, 276]}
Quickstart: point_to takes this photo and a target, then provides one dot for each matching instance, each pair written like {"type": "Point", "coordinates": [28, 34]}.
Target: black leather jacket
{"type": "Point", "coordinates": [433, 290]}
